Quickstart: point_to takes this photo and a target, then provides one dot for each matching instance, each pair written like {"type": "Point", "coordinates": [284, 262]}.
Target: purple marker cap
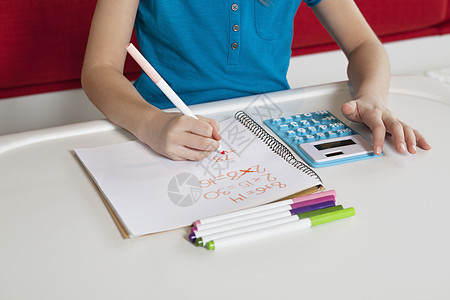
{"type": "Point", "coordinates": [303, 209]}
{"type": "Point", "coordinates": [192, 237]}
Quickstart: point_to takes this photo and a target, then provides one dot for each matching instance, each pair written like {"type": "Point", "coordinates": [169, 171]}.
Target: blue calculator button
{"type": "Point", "coordinates": [320, 136]}
{"type": "Point", "coordinates": [311, 130]}
{"type": "Point", "coordinates": [336, 126]}
{"type": "Point", "coordinates": [293, 125]}
{"type": "Point", "coordinates": [322, 128]}
{"type": "Point", "coordinates": [309, 138]}
{"type": "Point", "coordinates": [275, 121]}
{"type": "Point", "coordinates": [301, 131]}
{"type": "Point", "coordinates": [287, 119]}
{"type": "Point", "coordinates": [290, 133]}
{"type": "Point", "coordinates": [297, 140]}
{"type": "Point", "coordinates": [297, 118]}
{"type": "Point", "coordinates": [320, 113]}
{"type": "Point", "coordinates": [344, 132]}
{"type": "Point", "coordinates": [327, 120]}
{"type": "Point", "coordinates": [304, 123]}
{"type": "Point", "coordinates": [333, 127]}
{"type": "Point", "coordinates": [314, 122]}
{"type": "Point", "coordinates": [283, 127]}
{"type": "Point", "coordinates": [331, 134]}
{"type": "Point", "coordinates": [307, 116]}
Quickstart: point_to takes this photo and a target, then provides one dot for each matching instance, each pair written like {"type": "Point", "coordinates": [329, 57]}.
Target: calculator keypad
{"type": "Point", "coordinates": [308, 127]}
{"type": "Point", "coordinates": [320, 138]}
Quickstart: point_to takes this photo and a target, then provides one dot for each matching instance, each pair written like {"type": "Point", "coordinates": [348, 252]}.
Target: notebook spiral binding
{"type": "Point", "coordinates": [273, 143]}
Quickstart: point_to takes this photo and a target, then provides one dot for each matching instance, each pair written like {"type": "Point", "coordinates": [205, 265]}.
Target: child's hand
{"type": "Point", "coordinates": [181, 137]}
{"type": "Point", "coordinates": [380, 120]}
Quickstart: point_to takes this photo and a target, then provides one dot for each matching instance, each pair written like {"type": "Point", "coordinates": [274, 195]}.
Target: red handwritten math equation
{"type": "Point", "coordinates": [241, 184]}
{"type": "Point", "coordinates": [226, 155]}
{"type": "Point", "coordinates": [218, 164]}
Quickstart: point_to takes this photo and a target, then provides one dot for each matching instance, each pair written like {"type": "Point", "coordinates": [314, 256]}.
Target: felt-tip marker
{"type": "Point", "coordinates": [279, 229]}
{"type": "Point", "coordinates": [285, 207]}
{"type": "Point", "coordinates": [264, 207]}
{"type": "Point", "coordinates": [266, 218]}
{"type": "Point", "coordinates": [204, 239]}
{"type": "Point", "coordinates": [287, 210]}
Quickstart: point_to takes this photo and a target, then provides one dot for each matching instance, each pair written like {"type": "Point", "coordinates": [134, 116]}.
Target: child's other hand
{"type": "Point", "coordinates": [181, 137]}
{"type": "Point", "coordinates": [381, 121]}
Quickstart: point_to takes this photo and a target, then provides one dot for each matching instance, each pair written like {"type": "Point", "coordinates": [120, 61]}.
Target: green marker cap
{"type": "Point", "coordinates": [332, 216]}
{"type": "Point", "coordinates": [319, 211]}
{"type": "Point", "coordinates": [210, 245]}
{"type": "Point", "coordinates": [199, 242]}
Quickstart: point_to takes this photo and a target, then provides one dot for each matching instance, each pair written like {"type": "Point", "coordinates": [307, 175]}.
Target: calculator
{"type": "Point", "coordinates": [321, 139]}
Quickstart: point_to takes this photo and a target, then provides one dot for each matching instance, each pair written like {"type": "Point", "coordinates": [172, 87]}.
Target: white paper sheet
{"type": "Point", "coordinates": [150, 193]}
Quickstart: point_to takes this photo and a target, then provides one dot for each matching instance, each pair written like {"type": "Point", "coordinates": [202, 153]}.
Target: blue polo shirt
{"type": "Point", "coordinates": [213, 50]}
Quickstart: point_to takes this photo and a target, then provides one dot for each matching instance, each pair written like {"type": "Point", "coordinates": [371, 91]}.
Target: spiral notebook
{"type": "Point", "coordinates": [147, 193]}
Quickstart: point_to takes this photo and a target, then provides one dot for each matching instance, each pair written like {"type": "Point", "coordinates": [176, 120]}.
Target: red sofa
{"type": "Point", "coordinates": [43, 42]}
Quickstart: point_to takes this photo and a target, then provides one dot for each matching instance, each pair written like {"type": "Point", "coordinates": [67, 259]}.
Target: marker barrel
{"type": "Point", "coordinates": [309, 205]}
{"type": "Point", "coordinates": [259, 218]}
{"type": "Point", "coordinates": [245, 230]}
{"type": "Point", "coordinates": [264, 207]}
{"type": "Point", "coordinates": [202, 227]}
{"type": "Point", "coordinates": [143, 63]}
{"type": "Point", "coordinates": [280, 229]}
{"type": "Point", "coordinates": [243, 212]}
{"type": "Point", "coordinates": [176, 100]}
{"type": "Point", "coordinates": [244, 223]}
{"type": "Point", "coordinates": [259, 224]}
{"type": "Point", "coordinates": [257, 235]}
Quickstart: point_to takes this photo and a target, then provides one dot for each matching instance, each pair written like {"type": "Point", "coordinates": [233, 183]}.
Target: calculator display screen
{"type": "Point", "coordinates": [335, 144]}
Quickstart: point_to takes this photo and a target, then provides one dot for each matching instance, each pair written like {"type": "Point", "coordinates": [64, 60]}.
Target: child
{"type": "Point", "coordinates": [214, 50]}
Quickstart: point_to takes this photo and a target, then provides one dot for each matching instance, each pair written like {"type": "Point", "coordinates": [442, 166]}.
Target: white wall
{"type": "Point", "coordinates": [406, 57]}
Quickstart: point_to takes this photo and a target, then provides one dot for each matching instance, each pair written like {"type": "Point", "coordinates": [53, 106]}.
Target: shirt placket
{"type": "Point", "coordinates": [234, 43]}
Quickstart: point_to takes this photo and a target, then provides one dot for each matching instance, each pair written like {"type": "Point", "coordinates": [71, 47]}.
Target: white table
{"type": "Point", "coordinates": [58, 240]}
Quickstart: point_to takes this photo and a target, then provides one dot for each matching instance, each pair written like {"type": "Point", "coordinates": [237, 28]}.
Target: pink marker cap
{"type": "Point", "coordinates": [327, 198]}
{"type": "Point", "coordinates": [315, 196]}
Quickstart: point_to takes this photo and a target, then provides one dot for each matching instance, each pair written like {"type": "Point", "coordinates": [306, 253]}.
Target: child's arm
{"type": "Point", "coordinates": [369, 74]}
{"type": "Point", "coordinates": [173, 135]}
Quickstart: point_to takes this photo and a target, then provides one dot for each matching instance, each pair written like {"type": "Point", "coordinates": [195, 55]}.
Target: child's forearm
{"type": "Point", "coordinates": [116, 98]}
{"type": "Point", "coordinates": [369, 72]}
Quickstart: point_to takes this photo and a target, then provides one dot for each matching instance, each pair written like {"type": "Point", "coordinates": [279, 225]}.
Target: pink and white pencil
{"type": "Point", "coordinates": [161, 83]}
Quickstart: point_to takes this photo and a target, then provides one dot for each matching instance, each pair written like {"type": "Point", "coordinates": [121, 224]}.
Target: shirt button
{"type": "Point", "coordinates": [234, 7]}
{"type": "Point", "coordinates": [235, 27]}
{"type": "Point", "coordinates": [234, 46]}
